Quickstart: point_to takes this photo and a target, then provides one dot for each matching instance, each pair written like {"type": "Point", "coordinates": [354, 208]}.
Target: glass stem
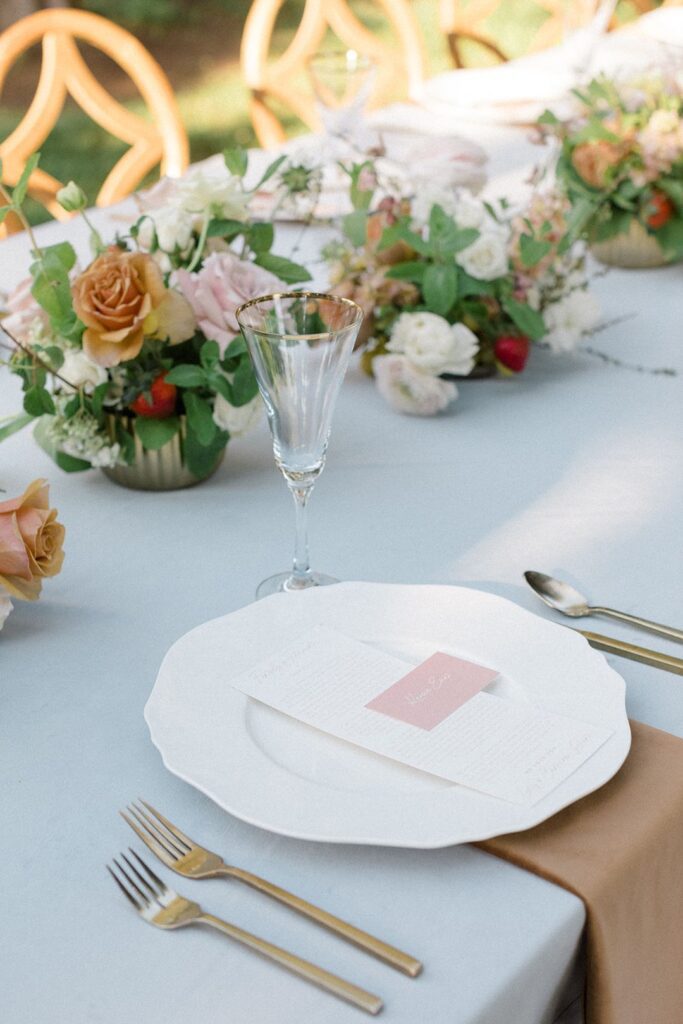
{"type": "Point", "coordinates": [301, 570]}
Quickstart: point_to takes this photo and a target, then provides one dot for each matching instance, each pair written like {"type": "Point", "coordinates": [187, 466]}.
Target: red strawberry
{"type": "Point", "coordinates": [512, 352]}
{"type": "Point", "coordinates": [661, 210]}
{"type": "Point", "coordinates": [163, 397]}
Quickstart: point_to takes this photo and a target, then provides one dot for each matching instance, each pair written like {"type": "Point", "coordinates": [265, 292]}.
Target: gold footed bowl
{"type": "Point", "coordinates": [635, 248]}
{"type": "Point", "coordinates": [160, 470]}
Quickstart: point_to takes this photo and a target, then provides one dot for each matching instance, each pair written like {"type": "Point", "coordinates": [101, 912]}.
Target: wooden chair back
{"type": "Point", "coordinates": [399, 66]}
{"type": "Point", "coordinates": [64, 72]}
{"type": "Point", "coordinates": [461, 22]}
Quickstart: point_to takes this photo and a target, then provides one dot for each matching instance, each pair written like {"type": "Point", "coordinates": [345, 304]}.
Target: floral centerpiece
{"type": "Point", "coordinates": [31, 540]}
{"type": "Point", "coordinates": [620, 165]}
{"type": "Point", "coordinates": [138, 355]}
{"type": "Point", "coordinates": [453, 286]}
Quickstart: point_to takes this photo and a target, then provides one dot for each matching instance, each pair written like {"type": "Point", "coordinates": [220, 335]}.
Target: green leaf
{"type": "Point", "coordinates": [354, 226]}
{"type": "Point", "coordinates": [261, 236]}
{"type": "Point", "coordinates": [63, 252]}
{"type": "Point", "coordinates": [547, 117]}
{"type": "Point", "coordinates": [473, 286]}
{"type": "Point", "coordinates": [21, 187]}
{"type": "Point", "coordinates": [97, 399]}
{"type": "Point", "coordinates": [532, 250]}
{"type": "Point", "coordinates": [411, 270]}
{"type": "Point", "coordinates": [528, 320]}
{"type": "Point", "coordinates": [286, 270]}
{"type": "Point", "coordinates": [222, 385]}
{"type": "Point", "coordinates": [54, 355]}
{"type": "Point", "coordinates": [440, 287]}
{"type": "Point", "coordinates": [670, 237]}
{"type": "Point", "coordinates": [237, 347]}
{"type": "Point", "coordinates": [244, 386]}
{"type": "Point", "coordinates": [69, 463]}
{"type": "Point", "coordinates": [153, 433]}
{"type": "Point", "coordinates": [236, 160]}
{"type": "Point", "coordinates": [229, 229]}
{"type": "Point", "coordinates": [269, 172]}
{"type": "Point", "coordinates": [200, 459]}
{"type": "Point", "coordinates": [594, 130]}
{"type": "Point", "coordinates": [401, 232]}
{"type": "Point", "coordinates": [38, 401]}
{"type": "Point", "coordinates": [14, 424]}
{"type": "Point", "coordinates": [187, 376]}
{"type": "Point", "coordinates": [200, 418]}
{"type": "Point", "coordinates": [674, 190]}
{"type": "Point", "coordinates": [126, 441]}
{"type": "Point", "coordinates": [209, 354]}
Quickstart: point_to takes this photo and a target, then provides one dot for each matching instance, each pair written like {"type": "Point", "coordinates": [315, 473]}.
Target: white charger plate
{"type": "Point", "coordinates": [282, 775]}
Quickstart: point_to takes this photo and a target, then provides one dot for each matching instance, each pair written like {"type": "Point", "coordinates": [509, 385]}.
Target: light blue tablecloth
{"type": "Point", "coordinates": [573, 468]}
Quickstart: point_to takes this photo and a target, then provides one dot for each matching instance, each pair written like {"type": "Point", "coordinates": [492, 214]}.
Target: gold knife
{"type": "Point", "coordinates": [642, 654]}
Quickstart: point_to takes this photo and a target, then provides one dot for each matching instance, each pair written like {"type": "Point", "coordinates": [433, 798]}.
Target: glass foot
{"type": "Point", "coordinates": [284, 582]}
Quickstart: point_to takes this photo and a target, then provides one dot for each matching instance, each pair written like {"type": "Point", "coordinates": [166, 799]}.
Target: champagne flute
{"type": "Point", "coordinates": [300, 344]}
{"type": "Point", "coordinates": [342, 81]}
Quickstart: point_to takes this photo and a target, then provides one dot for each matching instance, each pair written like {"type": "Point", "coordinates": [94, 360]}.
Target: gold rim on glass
{"type": "Point", "coordinates": [300, 295]}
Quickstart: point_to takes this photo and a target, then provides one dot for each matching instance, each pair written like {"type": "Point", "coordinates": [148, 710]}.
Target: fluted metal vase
{"type": "Point", "coordinates": [634, 249]}
{"type": "Point", "coordinates": [160, 470]}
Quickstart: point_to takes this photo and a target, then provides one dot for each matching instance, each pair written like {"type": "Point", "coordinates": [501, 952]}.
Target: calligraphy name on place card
{"type": "Point", "coordinates": [435, 717]}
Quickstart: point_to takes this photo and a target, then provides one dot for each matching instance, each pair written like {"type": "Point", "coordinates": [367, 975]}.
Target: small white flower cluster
{"type": "Point", "coordinates": [81, 437]}
{"type": "Point", "coordinates": [176, 209]}
{"type": "Point", "coordinates": [422, 346]}
{"type": "Point", "coordinates": [569, 319]}
{"type": "Point", "coordinates": [237, 420]}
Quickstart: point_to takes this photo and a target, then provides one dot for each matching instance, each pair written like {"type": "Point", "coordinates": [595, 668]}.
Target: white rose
{"type": "Point", "coordinates": [71, 197]}
{"type": "Point", "coordinates": [212, 191]}
{"type": "Point", "coordinates": [237, 420]}
{"type": "Point", "coordinates": [410, 390]}
{"type": "Point", "coordinates": [432, 344]}
{"type": "Point", "coordinates": [487, 257]}
{"type": "Point", "coordinates": [569, 319]}
{"type": "Point", "coordinates": [80, 371]}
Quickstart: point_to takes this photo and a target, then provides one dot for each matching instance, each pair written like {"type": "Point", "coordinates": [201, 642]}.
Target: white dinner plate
{"type": "Point", "coordinates": [275, 772]}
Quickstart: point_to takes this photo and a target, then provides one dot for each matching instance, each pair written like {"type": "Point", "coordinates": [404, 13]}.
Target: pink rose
{"type": "Point", "coordinates": [30, 542]}
{"type": "Point", "coordinates": [216, 291]}
{"type": "Point", "coordinates": [23, 311]}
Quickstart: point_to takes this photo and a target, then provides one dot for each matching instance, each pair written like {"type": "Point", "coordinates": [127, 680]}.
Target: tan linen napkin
{"type": "Point", "coordinates": [620, 850]}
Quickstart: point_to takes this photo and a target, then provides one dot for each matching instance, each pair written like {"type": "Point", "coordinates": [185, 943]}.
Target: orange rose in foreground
{"type": "Point", "coordinates": [592, 160]}
{"type": "Point", "coordinates": [30, 541]}
{"type": "Point", "coordinates": [113, 298]}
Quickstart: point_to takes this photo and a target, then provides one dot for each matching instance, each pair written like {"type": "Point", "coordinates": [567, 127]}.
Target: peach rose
{"type": "Point", "coordinates": [120, 298]}
{"type": "Point", "coordinates": [30, 541]}
{"type": "Point", "coordinates": [592, 160]}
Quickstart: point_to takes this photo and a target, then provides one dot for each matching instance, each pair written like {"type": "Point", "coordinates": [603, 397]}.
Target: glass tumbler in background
{"type": "Point", "coordinates": [300, 344]}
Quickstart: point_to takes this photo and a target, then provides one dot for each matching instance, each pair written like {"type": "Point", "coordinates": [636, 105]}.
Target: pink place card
{"type": "Point", "coordinates": [433, 690]}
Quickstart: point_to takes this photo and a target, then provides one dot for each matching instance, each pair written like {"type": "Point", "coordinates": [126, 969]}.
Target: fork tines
{"type": "Point", "coordinates": [156, 832]}
{"type": "Point", "coordinates": [135, 884]}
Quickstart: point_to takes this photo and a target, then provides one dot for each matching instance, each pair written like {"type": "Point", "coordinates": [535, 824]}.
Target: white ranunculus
{"type": "Point", "coordinates": [212, 191]}
{"type": "Point", "coordinates": [487, 257]}
{"type": "Point", "coordinates": [432, 344]}
{"type": "Point", "coordinates": [410, 390]}
{"type": "Point", "coordinates": [237, 420]}
{"type": "Point", "coordinates": [172, 227]}
{"type": "Point", "coordinates": [569, 319]}
{"type": "Point", "coordinates": [80, 371]}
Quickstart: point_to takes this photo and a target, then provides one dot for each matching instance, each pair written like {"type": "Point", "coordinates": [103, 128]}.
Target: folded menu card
{"type": "Point", "coordinates": [435, 717]}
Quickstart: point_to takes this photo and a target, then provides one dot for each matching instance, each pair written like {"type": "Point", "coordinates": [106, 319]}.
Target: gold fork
{"type": "Point", "coordinates": [164, 908]}
{"type": "Point", "coordinates": [180, 853]}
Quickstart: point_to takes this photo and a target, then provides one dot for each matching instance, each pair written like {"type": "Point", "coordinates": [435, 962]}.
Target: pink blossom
{"type": "Point", "coordinates": [23, 311]}
{"type": "Point", "coordinates": [216, 291]}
